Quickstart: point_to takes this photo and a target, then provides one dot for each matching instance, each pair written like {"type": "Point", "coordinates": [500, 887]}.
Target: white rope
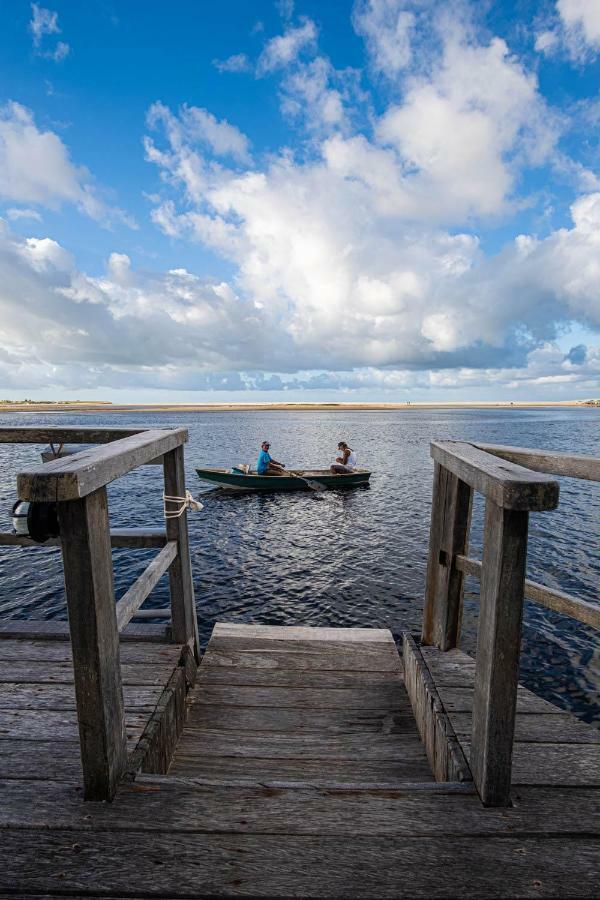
{"type": "Point", "coordinates": [181, 504]}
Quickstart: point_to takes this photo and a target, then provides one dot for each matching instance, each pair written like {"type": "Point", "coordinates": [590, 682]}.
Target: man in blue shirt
{"type": "Point", "coordinates": [266, 465]}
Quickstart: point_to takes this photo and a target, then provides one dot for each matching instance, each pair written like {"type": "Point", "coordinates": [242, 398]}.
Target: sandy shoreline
{"type": "Point", "coordinates": [105, 408]}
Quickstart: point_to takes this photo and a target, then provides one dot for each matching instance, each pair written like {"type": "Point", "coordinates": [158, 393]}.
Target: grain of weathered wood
{"type": "Point", "coordinates": [576, 765]}
{"type": "Point", "coordinates": [148, 805]}
{"type": "Point", "coordinates": [290, 633]}
{"type": "Point", "coordinates": [54, 724]}
{"type": "Point", "coordinates": [319, 654]}
{"type": "Point", "coordinates": [299, 720]}
{"type": "Point", "coordinates": [271, 866]}
{"type": "Point", "coordinates": [297, 678]}
{"type": "Point", "coordinates": [389, 699]}
{"type": "Point", "coordinates": [506, 484]}
{"type": "Point", "coordinates": [450, 521]}
{"type": "Point", "coordinates": [319, 772]}
{"type": "Point", "coordinates": [41, 653]}
{"type": "Point", "coordinates": [539, 728]}
{"type": "Point", "coordinates": [74, 477]}
{"type": "Point", "coordinates": [58, 434]}
{"type": "Point", "coordinates": [498, 648]}
{"type": "Point", "coordinates": [88, 575]}
{"type": "Point", "coordinates": [132, 599]}
{"type": "Point", "coordinates": [25, 695]}
{"type": "Point", "coordinates": [56, 630]}
{"type": "Point", "coordinates": [184, 621]}
{"type": "Point", "coordinates": [551, 462]}
{"type": "Point", "coordinates": [444, 752]}
{"type": "Point", "coordinates": [559, 601]}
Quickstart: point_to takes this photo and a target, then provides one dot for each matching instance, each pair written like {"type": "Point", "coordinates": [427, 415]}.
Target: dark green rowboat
{"type": "Point", "coordinates": [234, 481]}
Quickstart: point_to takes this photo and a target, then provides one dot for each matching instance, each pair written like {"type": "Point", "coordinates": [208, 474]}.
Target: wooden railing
{"type": "Point", "coordinates": [514, 482]}
{"type": "Point", "coordinates": [77, 484]}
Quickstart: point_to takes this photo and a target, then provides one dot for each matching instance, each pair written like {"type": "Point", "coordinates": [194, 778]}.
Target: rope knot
{"type": "Point", "coordinates": [176, 506]}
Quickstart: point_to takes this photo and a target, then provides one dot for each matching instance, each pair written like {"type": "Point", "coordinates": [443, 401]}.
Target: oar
{"type": "Point", "coordinates": [313, 485]}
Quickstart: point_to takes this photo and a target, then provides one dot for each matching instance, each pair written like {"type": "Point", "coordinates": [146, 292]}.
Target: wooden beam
{"type": "Point", "coordinates": [184, 620]}
{"type": "Point", "coordinates": [508, 485]}
{"type": "Point", "coordinates": [77, 476]}
{"type": "Point", "coordinates": [89, 587]}
{"type": "Point", "coordinates": [35, 434]}
{"type": "Point", "coordinates": [450, 521]}
{"type": "Point", "coordinates": [163, 613]}
{"type": "Point", "coordinates": [559, 601]}
{"type": "Point", "coordinates": [132, 538]}
{"type": "Point", "coordinates": [131, 601]}
{"type": "Point", "coordinates": [498, 650]}
{"type": "Point", "coordinates": [572, 465]}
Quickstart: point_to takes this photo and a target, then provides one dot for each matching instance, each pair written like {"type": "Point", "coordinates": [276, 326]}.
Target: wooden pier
{"type": "Point", "coordinates": [294, 762]}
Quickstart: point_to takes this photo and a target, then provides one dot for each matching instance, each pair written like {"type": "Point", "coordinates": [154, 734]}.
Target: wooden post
{"type": "Point", "coordinates": [184, 621]}
{"type": "Point", "coordinates": [88, 573]}
{"type": "Point", "coordinates": [450, 522]}
{"type": "Point", "coordinates": [498, 650]}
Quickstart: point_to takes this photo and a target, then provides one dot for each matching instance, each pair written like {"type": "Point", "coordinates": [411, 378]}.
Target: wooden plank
{"type": "Point", "coordinates": [298, 720]}
{"type": "Point", "coordinates": [450, 522]}
{"type": "Point", "coordinates": [132, 599]}
{"type": "Point", "coordinates": [504, 483]}
{"type": "Point", "coordinates": [444, 752]}
{"type": "Point", "coordinates": [39, 654]}
{"type": "Point", "coordinates": [54, 724]}
{"type": "Point", "coordinates": [391, 699]}
{"type": "Point", "coordinates": [90, 594]}
{"type": "Point", "coordinates": [575, 765]}
{"type": "Point", "coordinates": [34, 758]}
{"type": "Point", "coordinates": [302, 633]}
{"type": "Point", "coordinates": [154, 863]}
{"type": "Point", "coordinates": [163, 613]}
{"type": "Point", "coordinates": [148, 805]}
{"type": "Point", "coordinates": [25, 696]}
{"type": "Point", "coordinates": [58, 434]}
{"type": "Point", "coordinates": [258, 745]}
{"type": "Point", "coordinates": [184, 619]}
{"type": "Point", "coordinates": [319, 772]}
{"type": "Point", "coordinates": [498, 649]}
{"type": "Point", "coordinates": [74, 477]}
{"type": "Point", "coordinates": [259, 652]}
{"type": "Point", "coordinates": [539, 728]}
{"type": "Point", "coordinates": [551, 462]}
{"type": "Point", "coordinates": [57, 630]}
{"type": "Point", "coordinates": [154, 751]}
{"type": "Point", "coordinates": [298, 678]}
{"type": "Point", "coordinates": [559, 601]}
{"type": "Point", "coordinates": [132, 538]}
{"type": "Point", "coordinates": [460, 699]}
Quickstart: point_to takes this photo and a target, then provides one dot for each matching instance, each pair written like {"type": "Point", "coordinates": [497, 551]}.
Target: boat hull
{"type": "Point", "coordinates": [253, 482]}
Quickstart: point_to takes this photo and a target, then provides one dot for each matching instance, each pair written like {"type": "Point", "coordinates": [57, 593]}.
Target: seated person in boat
{"type": "Point", "coordinates": [266, 465]}
{"type": "Point", "coordinates": [346, 463]}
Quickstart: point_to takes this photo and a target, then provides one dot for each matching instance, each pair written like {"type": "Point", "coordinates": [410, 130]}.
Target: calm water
{"type": "Point", "coordinates": [340, 558]}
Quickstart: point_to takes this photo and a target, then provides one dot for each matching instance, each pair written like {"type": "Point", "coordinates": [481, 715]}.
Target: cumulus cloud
{"type": "Point", "coordinates": [35, 167]}
{"type": "Point", "coordinates": [44, 24]}
{"type": "Point", "coordinates": [576, 30]}
{"type": "Point", "coordinates": [387, 27]}
{"type": "Point", "coordinates": [284, 48]}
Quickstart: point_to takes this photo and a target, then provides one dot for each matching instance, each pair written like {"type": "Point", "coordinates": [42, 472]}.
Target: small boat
{"type": "Point", "coordinates": [298, 480]}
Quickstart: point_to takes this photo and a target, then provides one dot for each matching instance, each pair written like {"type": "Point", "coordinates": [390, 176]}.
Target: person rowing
{"type": "Point", "coordinates": [346, 463]}
{"type": "Point", "coordinates": [266, 465]}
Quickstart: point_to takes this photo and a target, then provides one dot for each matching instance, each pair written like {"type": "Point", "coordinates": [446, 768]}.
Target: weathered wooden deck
{"type": "Point", "coordinates": [299, 773]}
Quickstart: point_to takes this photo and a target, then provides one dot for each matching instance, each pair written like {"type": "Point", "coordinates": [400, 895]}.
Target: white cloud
{"type": "Point", "coordinates": [581, 16]}
{"type": "Point", "coordinates": [35, 167]}
{"type": "Point", "coordinates": [284, 48]}
{"type": "Point", "coordinates": [15, 213]}
{"type": "Point", "coordinates": [196, 125]}
{"type": "Point", "coordinates": [576, 30]}
{"type": "Point", "coordinates": [387, 27]}
{"type": "Point", "coordinates": [239, 62]}
{"type": "Point", "coordinates": [44, 23]}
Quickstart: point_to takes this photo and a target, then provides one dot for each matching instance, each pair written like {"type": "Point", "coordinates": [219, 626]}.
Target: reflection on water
{"type": "Point", "coordinates": [340, 557]}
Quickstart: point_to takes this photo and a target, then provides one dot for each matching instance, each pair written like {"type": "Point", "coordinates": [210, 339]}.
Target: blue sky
{"type": "Point", "coordinates": [379, 199]}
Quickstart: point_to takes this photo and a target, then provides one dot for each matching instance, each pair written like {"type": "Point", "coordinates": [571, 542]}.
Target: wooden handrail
{"type": "Point", "coordinates": [130, 538]}
{"type": "Point", "coordinates": [131, 601]}
{"type": "Point", "coordinates": [74, 477]}
{"type": "Point", "coordinates": [58, 434]}
{"type": "Point", "coordinates": [559, 601]}
{"type": "Point", "coordinates": [551, 462]}
{"type": "Point", "coordinates": [508, 485]}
